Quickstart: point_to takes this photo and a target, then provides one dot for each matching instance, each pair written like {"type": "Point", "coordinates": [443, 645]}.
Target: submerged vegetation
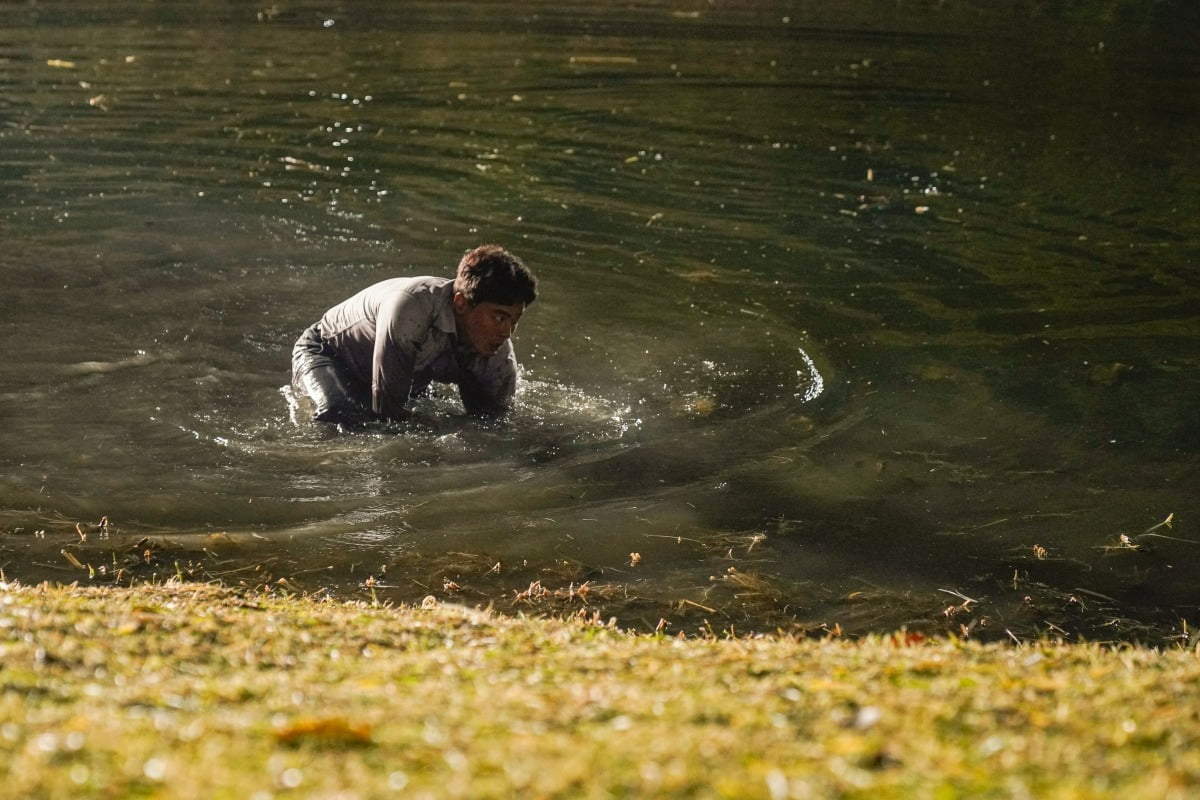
{"type": "Point", "coordinates": [188, 690]}
{"type": "Point", "coordinates": [726, 588]}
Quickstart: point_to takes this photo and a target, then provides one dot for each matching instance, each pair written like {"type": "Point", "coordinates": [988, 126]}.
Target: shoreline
{"type": "Point", "coordinates": [728, 594]}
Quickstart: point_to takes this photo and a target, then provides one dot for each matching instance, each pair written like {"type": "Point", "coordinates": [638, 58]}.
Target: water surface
{"type": "Point", "coordinates": [850, 319]}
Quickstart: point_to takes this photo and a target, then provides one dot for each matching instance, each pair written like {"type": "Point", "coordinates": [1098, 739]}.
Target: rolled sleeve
{"type": "Point", "coordinates": [488, 385]}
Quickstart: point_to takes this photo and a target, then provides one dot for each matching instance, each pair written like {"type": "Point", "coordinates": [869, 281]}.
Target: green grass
{"type": "Point", "coordinates": [191, 691]}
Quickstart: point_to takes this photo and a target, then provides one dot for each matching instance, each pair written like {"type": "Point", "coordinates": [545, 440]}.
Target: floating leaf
{"type": "Point", "coordinates": [324, 730]}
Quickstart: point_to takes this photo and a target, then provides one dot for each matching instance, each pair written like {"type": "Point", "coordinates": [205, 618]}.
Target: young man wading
{"type": "Point", "coordinates": [370, 354]}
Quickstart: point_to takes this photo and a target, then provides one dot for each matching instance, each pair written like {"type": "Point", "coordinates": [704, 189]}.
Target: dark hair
{"type": "Point", "coordinates": [491, 274]}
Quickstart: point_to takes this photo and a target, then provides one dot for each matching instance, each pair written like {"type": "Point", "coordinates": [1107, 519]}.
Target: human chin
{"type": "Point", "coordinates": [484, 347]}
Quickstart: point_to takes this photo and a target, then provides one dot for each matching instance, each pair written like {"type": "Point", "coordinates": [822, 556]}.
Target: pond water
{"type": "Point", "coordinates": [852, 319]}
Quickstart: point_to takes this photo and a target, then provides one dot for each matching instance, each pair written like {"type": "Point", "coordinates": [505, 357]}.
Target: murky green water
{"type": "Point", "coordinates": [847, 315]}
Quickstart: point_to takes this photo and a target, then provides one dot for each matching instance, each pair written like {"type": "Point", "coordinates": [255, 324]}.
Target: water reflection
{"type": "Point", "coordinates": [842, 310]}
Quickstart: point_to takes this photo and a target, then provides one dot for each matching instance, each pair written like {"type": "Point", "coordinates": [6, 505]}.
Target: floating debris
{"type": "Point", "coordinates": [603, 60]}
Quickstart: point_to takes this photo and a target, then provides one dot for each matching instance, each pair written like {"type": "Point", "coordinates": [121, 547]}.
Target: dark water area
{"type": "Point", "coordinates": [854, 316]}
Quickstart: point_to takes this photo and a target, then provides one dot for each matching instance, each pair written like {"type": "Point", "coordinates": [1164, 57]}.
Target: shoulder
{"type": "Point", "coordinates": [411, 308]}
{"type": "Point", "coordinates": [423, 293]}
{"type": "Point", "coordinates": [400, 288]}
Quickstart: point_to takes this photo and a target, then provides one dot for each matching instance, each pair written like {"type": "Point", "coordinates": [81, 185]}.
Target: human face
{"type": "Point", "coordinates": [486, 326]}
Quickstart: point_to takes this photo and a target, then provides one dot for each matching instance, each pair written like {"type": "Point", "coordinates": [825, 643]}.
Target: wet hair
{"type": "Point", "coordinates": [491, 274]}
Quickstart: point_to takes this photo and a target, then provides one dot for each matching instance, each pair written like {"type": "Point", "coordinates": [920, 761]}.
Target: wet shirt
{"type": "Point", "coordinates": [399, 335]}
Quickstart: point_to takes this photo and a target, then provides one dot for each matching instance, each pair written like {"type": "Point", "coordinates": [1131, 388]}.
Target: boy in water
{"type": "Point", "coordinates": [371, 353]}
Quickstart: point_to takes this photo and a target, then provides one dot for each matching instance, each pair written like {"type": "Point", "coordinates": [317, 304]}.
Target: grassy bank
{"type": "Point", "coordinates": [192, 691]}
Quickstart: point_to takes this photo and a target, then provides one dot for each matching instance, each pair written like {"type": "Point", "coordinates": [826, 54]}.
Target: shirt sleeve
{"type": "Point", "coordinates": [487, 386]}
{"type": "Point", "coordinates": [402, 324]}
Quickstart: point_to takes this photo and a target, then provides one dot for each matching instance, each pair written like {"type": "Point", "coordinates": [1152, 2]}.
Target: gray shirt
{"type": "Point", "coordinates": [399, 335]}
